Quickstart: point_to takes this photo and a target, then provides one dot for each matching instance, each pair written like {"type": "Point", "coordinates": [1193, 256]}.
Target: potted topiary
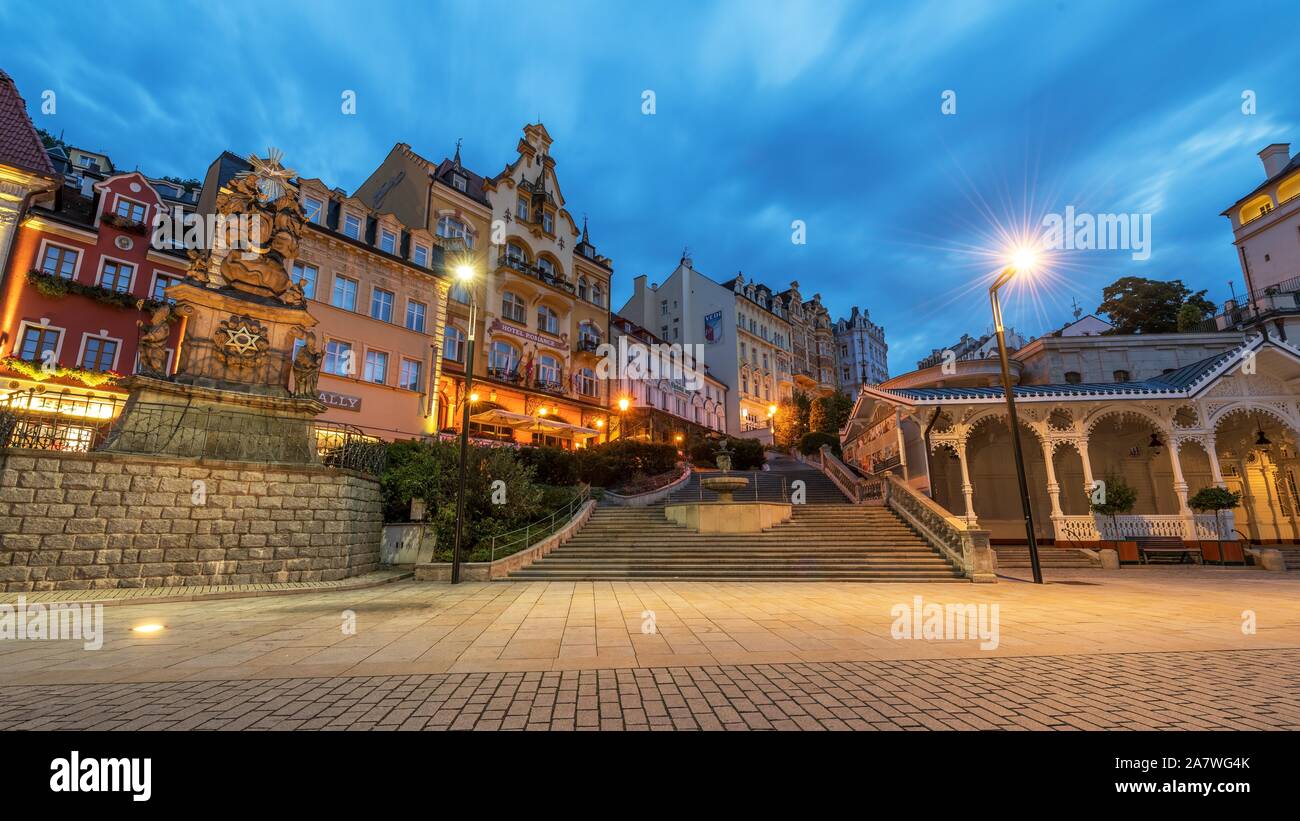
{"type": "Point", "coordinates": [1117, 497]}
{"type": "Point", "coordinates": [1217, 499]}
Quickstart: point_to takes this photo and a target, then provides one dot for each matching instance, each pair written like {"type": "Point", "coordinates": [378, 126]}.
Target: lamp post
{"type": "Point", "coordinates": [464, 273]}
{"type": "Point", "coordinates": [1023, 262]}
{"type": "Point", "coordinates": [622, 409]}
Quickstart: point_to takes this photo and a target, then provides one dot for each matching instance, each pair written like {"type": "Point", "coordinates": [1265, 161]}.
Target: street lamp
{"type": "Point", "coordinates": [465, 274]}
{"type": "Point", "coordinates": [1022, 261]}
{"type": "Point", "coordinates": [623, 405]}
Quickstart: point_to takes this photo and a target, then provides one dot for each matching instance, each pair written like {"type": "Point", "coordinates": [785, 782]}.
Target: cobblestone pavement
{"type": "Point", "coordinates": [1236, 689]}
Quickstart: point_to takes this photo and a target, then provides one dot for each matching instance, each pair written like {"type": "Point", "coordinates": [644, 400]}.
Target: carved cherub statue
{"type": "Point", "coordinates": [154, 334]}
{"type": "Point", "coordinates": [306, 364]}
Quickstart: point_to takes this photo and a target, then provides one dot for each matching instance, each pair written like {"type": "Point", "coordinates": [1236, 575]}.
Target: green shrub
{"type": "Point", "coordinates": [811, 443]}
{"type": "Point", "coordinates": [746, 454]}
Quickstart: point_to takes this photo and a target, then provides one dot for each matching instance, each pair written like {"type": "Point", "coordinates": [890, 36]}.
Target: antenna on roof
{"type": "Point", "coordinates": [1078, 312]}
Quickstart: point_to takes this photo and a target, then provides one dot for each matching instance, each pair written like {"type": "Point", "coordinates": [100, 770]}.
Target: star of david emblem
{"type": "Point", "coordinates": [241, 340]}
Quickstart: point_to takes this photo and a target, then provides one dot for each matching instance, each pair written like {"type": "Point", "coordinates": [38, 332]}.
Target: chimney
{"type": "Point", "coordinates": [1275, 157]}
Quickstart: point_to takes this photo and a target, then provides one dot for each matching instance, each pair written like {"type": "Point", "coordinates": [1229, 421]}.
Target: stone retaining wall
{"type": "Point", "coordinates": [72, 521]}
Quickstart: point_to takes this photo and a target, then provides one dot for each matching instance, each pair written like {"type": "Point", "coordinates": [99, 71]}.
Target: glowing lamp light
{"type": "Point", "coordinates": [623, 404]}
{"type": "Point", "coordinates": [473, 397]}
{"type": "Point", "coordinates": [542, 412]}
{"type": "Point", "coordinates": [600, 423]}
{"type": "Point", "coordinates": [464, 272]}
{"type": "Point", "coordinates": [147, 628]}
{"type": "Point", "coordinates": [771, 410]}
{"type": "Point", "coordinates": [1024, 260]}
{"type": "Point", "coordinates": [677, 438]}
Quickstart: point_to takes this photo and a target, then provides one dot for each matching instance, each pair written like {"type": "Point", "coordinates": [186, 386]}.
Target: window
{"type": "Point", "coordinates": [582, 287]}
{"type": "Point", "coordinates": [597, 295]}
{"type": "Point", "coordinates": [546, 267]}
{"type": "Point", "coordinates": [512, 308]}
{"type": "Point", "coordinates": [130, 209]}
{"type": "Point", "coordinates": [161, 282]}
{"type": "Point", "coordinates": [1121, 376]}
{"type": "Point", "coordinates": [376, 367]}
{"type": "Point", "coordinates": [587, 382]}
{"type": "Point", "coordinates": [548, 371]}
{"type": "Point", "coordinates": [116, 276]}
{"type": "Point", "coordinates": [588, 336]}
{"type": "Point", "coordinates": [381, 305]}
{"type": "Point", "coordinates": [415, 315]}
{"type": "Point", "coordinates": [516, 253]}
{"type": "Point", "coordinates": [452, 228]}
{"type": "Point", "coordinates": [453, 344]}
{"type": "Point", "coordinates": [313, 209]}
{"type": "Point", "coordinates": [460, 293]}
{"type": "Point", "coordinates": [345, 293]}
{"type": "Point", "coordinates": [387, 241]}
{"type": "Point", "coordinates": [458, 182]}
{"type": "Point", "coordinates": [305, 275]}
{"type": "Point", "coordinates": [59, 261]}
{"type": "Point", "coordinates": [548, 222]}
{"type": "Point", "coordinates": [99, 353]}
{"type": "Point", "coordinates": [339, 358]}
{"type": "Point", "coordinates": [502, 359]}
{"type": "Point", "coordinates": [39, 343]}
{"type": "Point", "coordinates": [521, 209]}
{"type": "Point", "coordinates": [663, 307]}
{"type": "Point", "coordinates": [1073, 377]}
{"type": "Point", "coordinates": [352, 226]}
{"type": "Point", "coordinates": [547, 320]}
{"type": "Point", "coordinates": [421, 256]}
{"type": "Point", "coordinates": [408, 375]}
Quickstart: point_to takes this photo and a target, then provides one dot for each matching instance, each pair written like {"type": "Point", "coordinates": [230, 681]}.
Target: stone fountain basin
{"type": "Point", "coordinates": [724, 484]}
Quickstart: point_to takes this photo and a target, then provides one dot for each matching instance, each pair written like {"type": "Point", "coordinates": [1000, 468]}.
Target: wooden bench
{"type": "Point", "coordinates": [1167, 546]}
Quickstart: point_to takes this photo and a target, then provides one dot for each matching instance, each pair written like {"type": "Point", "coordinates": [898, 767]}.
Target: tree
{"type": "Point", "coordinates": [791, 421]}
{"type": "Point", "coordinates": [1116, 498]}
{"type": "Point", "coordinates": [1217, 499]}
{"type": "Point", "coordinates": [830, 413]}
{"type": "Point", "coordinates": [1136, 305]}
{"type": "Point", "coordinates": [1189, 316]}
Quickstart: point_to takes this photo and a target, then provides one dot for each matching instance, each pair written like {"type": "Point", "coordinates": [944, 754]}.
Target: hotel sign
{"type": "Point", "coordinates": [340, 400]}
{"type": "Point", "coordinates": [498, 326]}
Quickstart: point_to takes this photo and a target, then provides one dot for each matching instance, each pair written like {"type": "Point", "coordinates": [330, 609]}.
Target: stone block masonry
{"type": "Point", "coordinates": [75, 521]}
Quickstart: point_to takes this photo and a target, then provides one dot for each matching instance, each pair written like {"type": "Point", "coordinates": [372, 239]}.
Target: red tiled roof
{"type": "Point", "coordinates": [19, 145]}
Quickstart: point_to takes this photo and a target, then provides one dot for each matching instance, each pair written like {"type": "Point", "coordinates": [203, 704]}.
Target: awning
{"type": "Point", "coordinates": [523, 421]}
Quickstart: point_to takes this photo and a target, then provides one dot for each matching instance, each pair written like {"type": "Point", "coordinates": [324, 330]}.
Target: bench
{"type": "Point", "coordinates": [1149, 546]}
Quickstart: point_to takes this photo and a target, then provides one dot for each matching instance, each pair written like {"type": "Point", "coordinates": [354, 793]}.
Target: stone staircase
{"type": "Point", "coordinates": [1016, 556]}
{"type": "Point", "coordinates": [1292, 556]}
{"type": "Point", "coordinates": [827, 539]}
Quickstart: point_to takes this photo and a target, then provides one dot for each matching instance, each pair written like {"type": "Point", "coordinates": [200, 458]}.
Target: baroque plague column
{"type": "Point", "coordinates": [248, 362]}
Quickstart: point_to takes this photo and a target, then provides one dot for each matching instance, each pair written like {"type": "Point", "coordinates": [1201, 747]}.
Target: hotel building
{"type": "Point", "coordinates": [863, 352]}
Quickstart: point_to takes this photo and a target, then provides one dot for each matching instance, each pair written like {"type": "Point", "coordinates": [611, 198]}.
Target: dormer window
{"type": "Point", "coordinates": [458, 182]}
{"type": "Point", "coordinates": [420, 256]}
{"type": "Point", "coordinates": [313, 209]}
{"type": "Point", "coordinates": [387, 241]}
{"type": "Point", "coordinates": [1073, 377]}
{"type": "Point", "coordinates": [352, 227]}
{"type": "Point", "coordinates": [1121, 376]}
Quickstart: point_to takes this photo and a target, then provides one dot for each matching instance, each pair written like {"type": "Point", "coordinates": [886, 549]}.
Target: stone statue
{"type": "Point", "coordinates": [198, 269]}
{"type": "Point", "coordinates": [153, 339]}
{"type": "Point", "coordinates": [306, 364]}
{"type": "Point", "coordinates": [723, 457]}
{"type": "Point", "coordinates": [262, 267]}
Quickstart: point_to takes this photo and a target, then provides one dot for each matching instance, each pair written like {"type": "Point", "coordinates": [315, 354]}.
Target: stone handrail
{"type": "Point", "coordinates": [850, 483]}
{"type": "Point", "coordinates": [967, 548]}
{"type": "Point", "coordinates": [650, 496]}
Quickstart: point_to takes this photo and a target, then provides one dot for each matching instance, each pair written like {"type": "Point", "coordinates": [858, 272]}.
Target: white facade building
{"type": "Point", "coordinates": [863, 352]}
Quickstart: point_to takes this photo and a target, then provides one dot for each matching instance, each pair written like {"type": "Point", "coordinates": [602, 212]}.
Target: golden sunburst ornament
{"type": "Point", "coordinates": [271, 174]}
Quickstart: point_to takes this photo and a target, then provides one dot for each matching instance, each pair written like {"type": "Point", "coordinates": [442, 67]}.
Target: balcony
{"type": "Point", "coordinates": [1259, 305]}
{"type": "Point", "coordinates": [522, 267]}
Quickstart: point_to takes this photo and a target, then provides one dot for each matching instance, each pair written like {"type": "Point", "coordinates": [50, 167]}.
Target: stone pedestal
{"type": "Point", "coordinates": [729, 517]}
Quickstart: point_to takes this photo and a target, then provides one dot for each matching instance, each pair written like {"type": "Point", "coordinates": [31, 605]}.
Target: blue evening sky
{"type": "Point", "coordinates": [766, 113]}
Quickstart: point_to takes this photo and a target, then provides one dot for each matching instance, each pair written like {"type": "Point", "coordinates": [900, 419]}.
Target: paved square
{"type": "Point", "coordinates": [1140, 648]}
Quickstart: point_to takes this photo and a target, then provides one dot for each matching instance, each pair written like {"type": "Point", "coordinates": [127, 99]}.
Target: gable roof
{"type": "Point", "coordinates": [20, 146]}
{"type": "Point", "coordinates": [1185, 382]}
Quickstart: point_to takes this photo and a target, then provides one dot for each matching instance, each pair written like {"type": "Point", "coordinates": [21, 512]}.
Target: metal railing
{"type": "Point", "coordinates": [522, 538]}
{"type": "Point", "coordinates": [197, 432]}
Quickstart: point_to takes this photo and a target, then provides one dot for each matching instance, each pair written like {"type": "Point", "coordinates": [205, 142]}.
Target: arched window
{"type": "Point", "coordinates": [546, 266]}
{"type": "Point", "coordinates": [587, 382]}
{"type": "Point", "coordinates": [589, 337]}
{"type": "Point", "coordinates": [503, 359]}
{"type": "Point", "coordinates": [582, 287]}
{"type": "Point", "coordinates": [547, 320]}
{"type": "Point", "coordinates": [516, 253]}
{"type": "Point", "coordinates": [597, 295]}
{"type": "Point", "coordinates": [548, 371]}
{"type": "Point", "coordinates": [512, 307]}
{"type": "Point", "coordinates": [453, 344]}
{"type": "Point", "coordinates": [452, 228]}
